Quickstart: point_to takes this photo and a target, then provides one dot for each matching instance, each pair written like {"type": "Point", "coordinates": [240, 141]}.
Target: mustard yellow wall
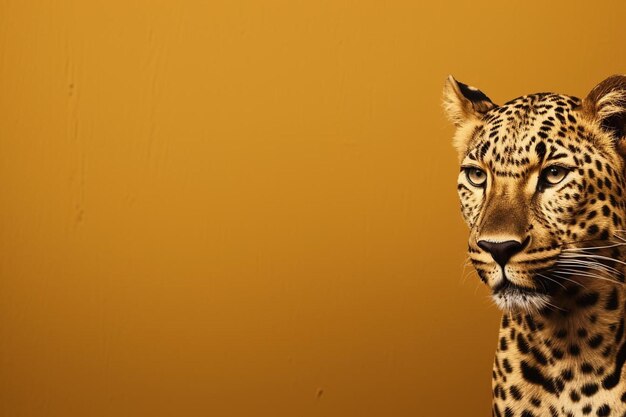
{"type": "Point", "coordinates": [248, 208]}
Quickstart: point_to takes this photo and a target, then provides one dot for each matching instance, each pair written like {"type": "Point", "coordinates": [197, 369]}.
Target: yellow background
{"type": "Point", "coordinates": [248, 208]}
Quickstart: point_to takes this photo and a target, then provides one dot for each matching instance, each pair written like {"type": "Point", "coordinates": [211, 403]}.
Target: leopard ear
{"type": "Point", "coordinates": [606, 105]}
{"type": "Point", "coordinates": [462, 102]}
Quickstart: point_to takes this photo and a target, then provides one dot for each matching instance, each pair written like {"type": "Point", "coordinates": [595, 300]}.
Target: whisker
{"type": "Point", "coordinates": [573, 242]}
{"type": "Point", "coordinates": [587, 257]}
{"type": "Point", "coordinates": [618, 236]}
{"type": "Point", "coordinates": [590, 264]}
{"type": "Point", "coordinates": [569, 280]}
{"type": "Point", "coordinates": [583, 274]}
{"type": "Point", "coordinates": [606, 258]}
{"type": "Point", "coordinates": [554, 306]}
{"type": "Point", "coordinates": [586, 248]}
{"type": "Point", "coordinates": [552, 279]}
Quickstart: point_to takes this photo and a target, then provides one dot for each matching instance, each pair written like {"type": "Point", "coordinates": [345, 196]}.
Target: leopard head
{"type": "Point", "coordinates": [541, 180]}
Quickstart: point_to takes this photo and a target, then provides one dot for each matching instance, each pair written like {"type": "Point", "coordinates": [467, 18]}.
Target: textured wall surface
{"type": "Point", "coordinates": [248, 208]}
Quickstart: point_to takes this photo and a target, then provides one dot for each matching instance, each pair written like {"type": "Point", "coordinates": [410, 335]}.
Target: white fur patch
{"type": "Point", "coordinates": [611, 103]}
{"type": "Point", "coordinates": [511, 300]}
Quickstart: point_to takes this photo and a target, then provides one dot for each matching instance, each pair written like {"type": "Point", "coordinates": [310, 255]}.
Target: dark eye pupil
{"type": "Point", "coordinates": [554, 171]}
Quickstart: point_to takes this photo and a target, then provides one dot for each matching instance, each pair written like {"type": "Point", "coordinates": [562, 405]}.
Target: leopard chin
{"type": "Point", "coordinates": [514, 299]}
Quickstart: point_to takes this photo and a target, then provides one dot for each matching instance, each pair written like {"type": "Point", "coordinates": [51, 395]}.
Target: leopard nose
{"type": "Point", "coordinates": [501, 252]}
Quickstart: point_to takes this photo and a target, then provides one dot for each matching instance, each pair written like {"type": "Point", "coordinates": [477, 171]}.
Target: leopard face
{"type": "Point", "coordinates": [541, 179]}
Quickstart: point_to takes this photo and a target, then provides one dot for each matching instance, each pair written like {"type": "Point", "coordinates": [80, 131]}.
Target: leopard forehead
{"type": "Point", "coordinates": [517, 140]}
{"type": "Point", "coordinates": [531, 129]}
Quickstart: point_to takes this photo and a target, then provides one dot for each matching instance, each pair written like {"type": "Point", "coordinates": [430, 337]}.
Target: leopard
{"type": "Point", "coordinates": [541, 188]}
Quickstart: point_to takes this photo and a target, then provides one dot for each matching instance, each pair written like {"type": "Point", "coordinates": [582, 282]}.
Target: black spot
{"type": "Point", "coordinates": [534, 376]}
{"type": "Point", "coordinates": [595, 341]}
{"type": "Point", "coordinates": [586, 368]}
{"type": "Point", "coordinates": [557, 353]}
{"type": "Point", "coordinates": [540, 149]}
{"type": "Point", "coordinates": [539, 356]}
{"type": "Point", "coordinates": [587, 409]}
{"type": "Point", "coordinates": [507, 366]}
{"type": "Point", "coordinates": [503, 344]}
{"type": "Point", "coordinates": [589, 389]}
{"type": "Point", "coordinates": [587, 300]}
{"type": "Point", "coordinates": [603, 411]}
{"type": "Point", "coordinates": [562, 333]}
{"type": "Point", "coordinates": [522, 344]}
{"type": "Point", "coordinates": [483, 149]}
{"type": "Point", "coordinates": [515, 392]}
{"type": "Point", "coordinates": [574, 396]}
{"type": "Point", "coordinates": [560, 385]}
{"type": "Point", "coordinates": [613, 301]}
{"type": "Point", "coordinates": [567, 375]}
{"type": "Point", "coordinates": [611, 380]}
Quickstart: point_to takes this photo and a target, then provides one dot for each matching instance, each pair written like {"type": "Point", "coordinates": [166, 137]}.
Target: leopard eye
{"type": "Point", "coordinates": [476, 176]}
{"type": "Point", "coordinates": [553, 175]}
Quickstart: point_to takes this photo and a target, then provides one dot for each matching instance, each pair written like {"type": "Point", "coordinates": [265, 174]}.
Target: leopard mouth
{"type": "Point", "coordinates": [507, 287]}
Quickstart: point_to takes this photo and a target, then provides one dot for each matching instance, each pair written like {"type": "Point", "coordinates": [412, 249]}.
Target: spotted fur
{"type": "Point", "coordinates": [552, 252]}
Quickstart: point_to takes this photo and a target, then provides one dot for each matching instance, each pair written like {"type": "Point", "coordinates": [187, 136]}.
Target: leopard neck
{"type": "Point", "coordinates": [580, 338]}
